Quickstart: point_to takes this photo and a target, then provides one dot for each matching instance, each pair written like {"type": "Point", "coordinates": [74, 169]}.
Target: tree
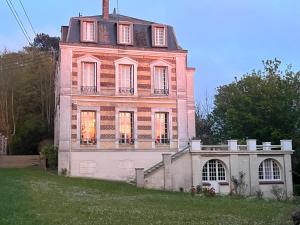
{"type": "Point", "coordinates": [264, 105]}
{"type": "Point", "coordinates": [44, 42]}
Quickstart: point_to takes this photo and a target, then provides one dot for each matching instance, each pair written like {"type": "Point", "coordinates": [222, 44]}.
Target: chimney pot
{"type": "Point", "coordinates": [105, 9]}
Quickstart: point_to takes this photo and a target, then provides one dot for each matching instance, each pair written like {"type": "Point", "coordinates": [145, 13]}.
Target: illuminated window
{"type": "Point", "coordinates": [161, 128]}
{"type": "Point", "coordinates": [126, 80]}
{"type": "Point", "coordinates": [126, 128]}
{"type": "Point", "coordinates": [125, 31]}
{"type": "Point", "coordinates": [161, 86]}
{"type": "Point", "coordinates": [88, 128]}
{"type": "Point", "coordinates": [89, 31]}
{"type": "Point", "coordinates": [159, 36]}
{"type": "Point", "coordinates": [88, 78]}
{"type": "Point", "coordinates": [269, 170]}
{"type": "Point", "coordinates": [213, 170]}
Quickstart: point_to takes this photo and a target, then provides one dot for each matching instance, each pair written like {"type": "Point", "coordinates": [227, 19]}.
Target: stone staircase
{"type": "Point", "coordinates": [161, 164]}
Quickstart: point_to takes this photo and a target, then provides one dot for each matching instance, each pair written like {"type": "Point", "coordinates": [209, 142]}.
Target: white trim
{"type": "Point", "coordinates": [87, 108]}
{"type": "Point", "coordinates": [161, 63]}
{"type": "Point", "coordinates": [126, 61]}
{"type": "Point", "coordinates": [263, 164]}
{"type": "Point", "coordinates": [90, 59]}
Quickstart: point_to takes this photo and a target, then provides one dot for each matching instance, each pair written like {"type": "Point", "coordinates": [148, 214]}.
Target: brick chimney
{"type": "Point", "coordinates": [105, 9]}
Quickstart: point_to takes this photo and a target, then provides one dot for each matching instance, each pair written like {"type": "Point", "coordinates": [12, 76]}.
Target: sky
{"type": "Point", "coordinates": [225, 39]}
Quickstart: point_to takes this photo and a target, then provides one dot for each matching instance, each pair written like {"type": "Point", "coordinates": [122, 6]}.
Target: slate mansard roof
{"type": "Point", "coordinates": [107, 33]}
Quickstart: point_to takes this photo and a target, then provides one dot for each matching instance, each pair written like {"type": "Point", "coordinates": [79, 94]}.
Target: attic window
{"type": "Point", "coordinates": [88, 31]}
{"type": "Point", "coordinates": [125, 31]}
{"type": "Point", "coordinates": [159, 36]}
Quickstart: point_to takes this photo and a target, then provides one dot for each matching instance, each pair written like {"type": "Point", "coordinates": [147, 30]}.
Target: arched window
{"type": "Point", "coordinates": [269, 170]}
{"type": "Point", "coordinates": [213, 170]}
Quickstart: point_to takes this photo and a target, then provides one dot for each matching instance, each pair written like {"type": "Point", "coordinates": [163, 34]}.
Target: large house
{"type": "Point", "coordinates": [124, 95]}
{"type": "Point", "coordinates": [125, 101]}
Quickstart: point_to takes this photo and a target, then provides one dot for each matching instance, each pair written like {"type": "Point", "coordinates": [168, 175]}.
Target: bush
{"type": "Point", "coordinates": [297, 189]}
{"type": "Point", "coordinates": [239, 184]}
{"type": "Point", "coordinates": [199, 189]}
{"type": "Point", "coordinates": [259, 194]}
{"type": "Point", "coordinates": [278, 192]}
{"type": "Point", "coordinates": [50, 154]}
{"type": "Point", "coordinates": [209, 192]}
{"type": "Point", "coordinates": [193, 191]}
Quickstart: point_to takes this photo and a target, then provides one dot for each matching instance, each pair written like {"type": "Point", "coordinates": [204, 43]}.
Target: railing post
{"type": "Point", "coordinates": [140, 178]}
{"type": "Point", "coordinates": [196, 145]}
{"type": "Point", "coordinates": [251, 145]}
{"type": "Point", "coordinates": [267, 146]}
{"type": "Point", "coordinates": [286, 145]}
{"type": "Point", "coordinates": [232, 145]}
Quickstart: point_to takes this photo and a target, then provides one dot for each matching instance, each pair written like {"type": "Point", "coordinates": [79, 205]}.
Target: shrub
{"type": "Point", "coordinates": [193, 191]}
{"type": "Point", "coordinates": [278, 192]}
{"type": "Point", "coordinates": [50, 154]}
{"type": "Point", "coordinates": [181, 189]}
{"type": "Point", "coordinates": [239, 184]}
{"type": "Point", "coordinates": [296, 218]}
{"type": "Point", "coordinates": [199, 189]}
{"type": "Point", "coordinates": [209, 192]}
{"type": "Point", "coordinates": [64, 172]}
{"type": "Point", "coordinates": [297, 189]}
{"type": "Point", "coordinates": [259, 194]}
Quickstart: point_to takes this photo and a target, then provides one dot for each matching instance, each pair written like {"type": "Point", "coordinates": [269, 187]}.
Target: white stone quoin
{"type": "Point", "coordinates": [251, 145]}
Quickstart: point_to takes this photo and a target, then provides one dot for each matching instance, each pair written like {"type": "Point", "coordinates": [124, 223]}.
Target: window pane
{"type": "Point", "coordinates": [88, 127]}
{"type": "Point", "coordinates": [89, 31]}
{"type": "Point", "coordinates": [221, 171]}
{"type": "Point", "coordinates": [88, 74]}
{"type": "Point", "coordinates": [261, 172]}
{"type": "Point", "coordinates": [204, 173]}
{"type": "Point", "coordinates": [160, 80]}
{"type": "Point", "coordinates": [126, 128]}
{"type": "Point", "coordinates": [126, 79]}
{"type": "Point", "coordinates": [268, 170]}
{"type": "Point", "coordinates": [125, 34]}
{"type": "Point", "coordinates": [276, 171]}
{"type": "Point", "coordinates": [212, 170]}
{"type": "Point", "coordinates": [159, 36]}
{"type": "Point", "coordinates": [161, 128]}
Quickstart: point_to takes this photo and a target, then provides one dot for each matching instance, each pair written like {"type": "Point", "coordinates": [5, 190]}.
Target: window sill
{"type": "Point", "coordinates": [206, 184]}
{"type": "Point", "coordinates": [271, 182]}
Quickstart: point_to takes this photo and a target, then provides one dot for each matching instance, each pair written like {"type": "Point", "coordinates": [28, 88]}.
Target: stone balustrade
{"type": "Point", "coordinates": [251, 145]}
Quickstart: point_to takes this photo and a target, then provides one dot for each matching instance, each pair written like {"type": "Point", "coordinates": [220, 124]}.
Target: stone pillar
{"type": "Point", "coordinates": [167, 160]}
{"type": "Point", "coordinates": [232, 145]}
{"type": "Point", "coordinates": [267, 146]}
{"type": "Point", "coordinates": [286, 145]}
{"type": "Point", "coordinates": [253, 179]}
{"type": "Point", "coordinates": [251, 145]}
{"type": "Point", "coordinates": [196, 145]}
{"type": "Point", "coordinates": [139, 175]}
{"type": "Point", "coordinates": [196, 170]}
{"type": "Point", "coordinates": [288, 175]}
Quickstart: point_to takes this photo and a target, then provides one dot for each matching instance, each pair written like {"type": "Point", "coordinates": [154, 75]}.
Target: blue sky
{"type": "Point", "coordinates": [224, 38]}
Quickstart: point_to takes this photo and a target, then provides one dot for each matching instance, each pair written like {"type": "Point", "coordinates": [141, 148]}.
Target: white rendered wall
{"type": "Point", "coordinates": [112, 165]}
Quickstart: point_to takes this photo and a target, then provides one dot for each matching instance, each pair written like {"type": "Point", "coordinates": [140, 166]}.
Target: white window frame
{"type": "Point", "coordinates": [125, 61]}
{"type": "Point", "coordinates": [121, 33]}
{"type": "Point", "coordinates": [161, 63]}
{"type": "Point", "coordinates": [83, 26]}
{"type": "Point", "coordinates": [170, 125]}
{"type": "Point", "coordinates": [81, 108]}
{"type": "Point", "coordinates": [262, 166]}
{"type": "Point", "coordinates": [88, 59]}
{"type": "Point", "coordinates": [217, 175]}
{"type": "Point", "coordinates": [117, 125]}
{"type": "Point", "coordinates": [155, 37]}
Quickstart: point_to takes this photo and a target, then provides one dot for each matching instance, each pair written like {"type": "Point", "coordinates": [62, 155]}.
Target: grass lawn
{"type": "Point", "coordinates": [35, 197]}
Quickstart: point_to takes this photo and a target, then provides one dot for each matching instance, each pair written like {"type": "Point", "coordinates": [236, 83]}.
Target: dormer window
{"type": "Point", "coordinates": [125, 31]}
{"type": "Point", "coordinates": [88, 31]}
{"type": "Point", "coordinates": [159, 36]}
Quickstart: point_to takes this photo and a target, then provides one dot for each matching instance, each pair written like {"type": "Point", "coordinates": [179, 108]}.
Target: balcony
{"type": "Point", "coordinates": [88, 90]}
{"type": "Point", "coordinates": [126, 91]}
{"type": "Point", "coordinates": [161, 91]}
